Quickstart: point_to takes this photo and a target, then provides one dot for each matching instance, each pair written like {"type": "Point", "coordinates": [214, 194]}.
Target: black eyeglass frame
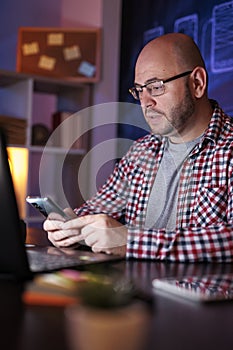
{"type": "Point", "coordinates": [134, 90]}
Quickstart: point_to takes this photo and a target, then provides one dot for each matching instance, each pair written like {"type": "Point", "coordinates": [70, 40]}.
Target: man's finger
{"type": "Point", "coordinates": [79, 222]}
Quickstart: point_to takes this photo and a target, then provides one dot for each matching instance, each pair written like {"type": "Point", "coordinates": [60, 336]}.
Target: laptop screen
{"type": "Point", "coordinates": [13, 257]}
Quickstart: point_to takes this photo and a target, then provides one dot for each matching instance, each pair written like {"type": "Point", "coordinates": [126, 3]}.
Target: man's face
{"type": "Point", "coordinates": [169, 114]}
{"type": "Point", "coordinates": [173, 118]}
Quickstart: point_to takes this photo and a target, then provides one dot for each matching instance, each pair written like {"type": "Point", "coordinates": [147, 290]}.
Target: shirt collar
{"type": "Point", "coordinates": [216, 124]}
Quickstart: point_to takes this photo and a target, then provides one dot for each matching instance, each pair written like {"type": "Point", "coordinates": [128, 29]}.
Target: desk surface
{"type": "Point", "coordinates": [176, 324]}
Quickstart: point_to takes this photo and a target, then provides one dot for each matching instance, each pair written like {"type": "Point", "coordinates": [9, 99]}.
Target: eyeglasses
{"type": "Point", "coordinates": [155, 87]}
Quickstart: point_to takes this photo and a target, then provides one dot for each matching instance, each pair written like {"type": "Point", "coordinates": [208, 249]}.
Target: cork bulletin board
{"type": "Point", "coordinates": [60, 52]}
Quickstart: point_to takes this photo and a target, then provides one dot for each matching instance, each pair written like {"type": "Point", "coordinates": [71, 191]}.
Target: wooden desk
{"type": "Point", "coordinates": [176, 324]}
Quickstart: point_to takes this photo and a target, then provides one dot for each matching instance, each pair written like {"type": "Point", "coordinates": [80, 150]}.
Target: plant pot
{"type": "Point", "coordinates": [124, 328]}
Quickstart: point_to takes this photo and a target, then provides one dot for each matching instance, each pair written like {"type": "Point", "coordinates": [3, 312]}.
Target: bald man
{"type": "Point", "coordinates": [174, 187]}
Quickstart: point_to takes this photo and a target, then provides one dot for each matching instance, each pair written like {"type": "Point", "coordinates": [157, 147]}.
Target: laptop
{"type": "Point", "coordinates": [18, 261]}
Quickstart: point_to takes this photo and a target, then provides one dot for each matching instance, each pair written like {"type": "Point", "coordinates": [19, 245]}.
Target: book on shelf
{"type": "Point", "coordinates": [15, 129]}
{"type": "Point", "coordinates": [69, 128]}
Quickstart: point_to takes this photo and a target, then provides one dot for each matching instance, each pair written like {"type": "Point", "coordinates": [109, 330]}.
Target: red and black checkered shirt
{"type": "Point", "coordinates": [204, 223]}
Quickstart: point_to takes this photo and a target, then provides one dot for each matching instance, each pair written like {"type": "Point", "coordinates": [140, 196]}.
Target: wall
{"type": "Point", "coordinates": [81, 13]}
{"type": "Point", "coordinates": [108, 16]}
{"type": "Point", "coordinates": [13, 14]}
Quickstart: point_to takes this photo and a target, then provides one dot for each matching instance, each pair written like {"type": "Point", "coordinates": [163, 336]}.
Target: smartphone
{"type": "Point", "coordinates": [204, 288]}
{"type": "Point", "coordinates": [46, 206]}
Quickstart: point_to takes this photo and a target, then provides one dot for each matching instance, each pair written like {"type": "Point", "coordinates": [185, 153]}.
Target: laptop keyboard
{"type": "Point", "coordinates": [51, 258]}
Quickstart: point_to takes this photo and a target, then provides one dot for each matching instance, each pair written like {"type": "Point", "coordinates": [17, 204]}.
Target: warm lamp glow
{"type": "Point", "coordinates": [18, 160]}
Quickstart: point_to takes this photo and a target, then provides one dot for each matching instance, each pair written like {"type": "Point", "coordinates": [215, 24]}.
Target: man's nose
{"type": "Point", "coordinates": [146, 99]}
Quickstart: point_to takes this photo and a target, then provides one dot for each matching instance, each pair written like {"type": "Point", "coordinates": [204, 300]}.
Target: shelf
{"type": "Point", "coordinates": [41, 83]}
{"type": "Point", "coordinates": [56, 150]}
{"type": "Point", "coordinates": [35, 99]}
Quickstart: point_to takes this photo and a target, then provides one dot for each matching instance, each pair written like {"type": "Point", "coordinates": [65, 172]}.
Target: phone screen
{"type": "Point", "coordinates": [46, 206]}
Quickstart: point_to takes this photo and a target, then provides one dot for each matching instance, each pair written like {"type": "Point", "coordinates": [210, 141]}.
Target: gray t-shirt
{"type": "Point", "coordinates": [162, 204]}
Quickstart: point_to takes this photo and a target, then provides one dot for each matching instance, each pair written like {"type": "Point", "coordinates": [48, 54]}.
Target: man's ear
{"type": "Point", "coordinates": [199, 81]}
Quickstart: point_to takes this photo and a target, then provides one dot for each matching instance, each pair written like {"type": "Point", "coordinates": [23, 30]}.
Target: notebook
{"type": "Point", "coordinates": [18, 261]}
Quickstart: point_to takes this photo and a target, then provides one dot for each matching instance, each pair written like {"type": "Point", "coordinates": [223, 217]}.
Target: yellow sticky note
{"type": "Point", "coordinates": [30, 48]}
{"type": "Point", "coordinates": [72, 53]}
{"type": "Point", "coordinates": [46, 62]}
{"type": "Point", "coordinates": [55, 39]}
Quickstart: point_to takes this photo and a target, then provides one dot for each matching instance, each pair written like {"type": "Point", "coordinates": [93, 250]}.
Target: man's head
{"type": "Point", "coordinates": [171, 83]}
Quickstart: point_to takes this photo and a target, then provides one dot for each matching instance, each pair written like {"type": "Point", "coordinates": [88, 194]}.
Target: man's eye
{"type": "Point", "coordinates": [155, 87]}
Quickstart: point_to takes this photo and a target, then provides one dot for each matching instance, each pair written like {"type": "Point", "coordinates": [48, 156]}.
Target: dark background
{"type": "Point", "coordinates": [210, 23]}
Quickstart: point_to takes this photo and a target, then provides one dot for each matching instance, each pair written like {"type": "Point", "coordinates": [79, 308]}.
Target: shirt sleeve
{"type": "Point", "coordinates": [184, 245]}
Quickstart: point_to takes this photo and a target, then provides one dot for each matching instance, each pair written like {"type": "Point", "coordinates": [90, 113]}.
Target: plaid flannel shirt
{"type": "Point", "coordinates": [204, 223]}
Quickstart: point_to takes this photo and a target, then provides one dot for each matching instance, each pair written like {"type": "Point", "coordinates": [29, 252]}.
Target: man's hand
{"type": "Point", "coordinates": [101, 232]}
{"type": "Point", "coordinates": [56, 235]}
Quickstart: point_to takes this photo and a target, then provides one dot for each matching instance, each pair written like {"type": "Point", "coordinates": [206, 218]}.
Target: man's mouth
{"type": "Point", "coordinates": [153, 114]}
{"type": "Point", "coordinates": [153, 117]}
